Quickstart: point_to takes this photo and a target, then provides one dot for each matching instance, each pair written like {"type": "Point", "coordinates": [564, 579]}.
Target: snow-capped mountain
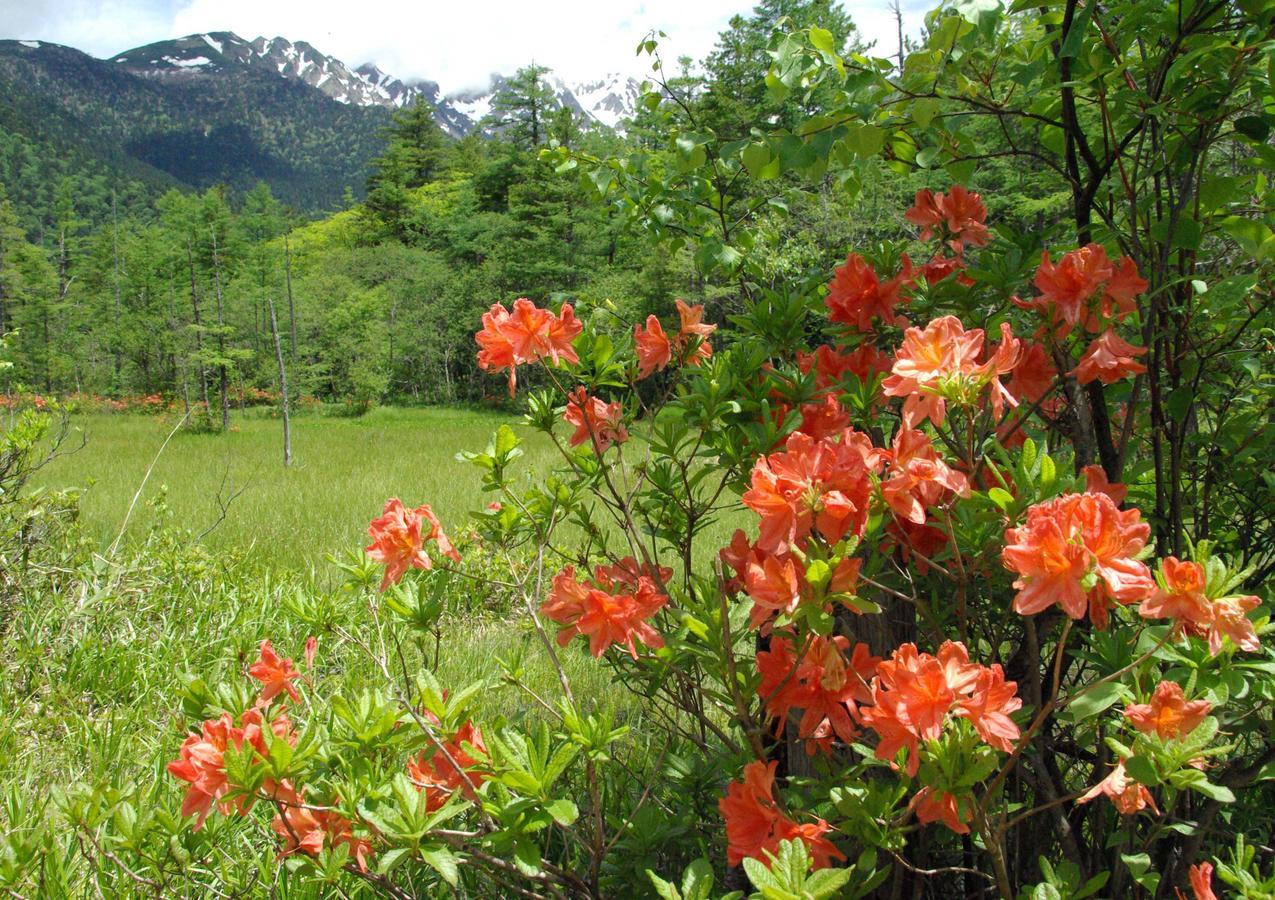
{"type": "Point", "coordinates": [607, 100]}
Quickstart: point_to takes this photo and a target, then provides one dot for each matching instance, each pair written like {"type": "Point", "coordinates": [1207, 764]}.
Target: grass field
{"type": "Point", "coordinates": [343, 471]}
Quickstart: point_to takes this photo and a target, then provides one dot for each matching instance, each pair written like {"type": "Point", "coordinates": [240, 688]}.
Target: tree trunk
{"type": "Point", "coordinates": [221, 339]}
{"type": "Point", "coordinates": [292, 310]}
{"type": "Point", "coordinates": [199, 327]}
{"type": "Point", "coordinates": [283, 386]}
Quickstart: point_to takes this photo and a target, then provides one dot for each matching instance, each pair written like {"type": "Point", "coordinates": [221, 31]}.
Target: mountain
{"type": "Point", "coordinates": [216, 108]}
{"type": "Point", "coordinates": [607, 100]}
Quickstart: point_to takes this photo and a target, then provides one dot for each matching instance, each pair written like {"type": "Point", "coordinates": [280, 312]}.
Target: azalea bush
{"type": "Point", "coordinates": [939, 653]}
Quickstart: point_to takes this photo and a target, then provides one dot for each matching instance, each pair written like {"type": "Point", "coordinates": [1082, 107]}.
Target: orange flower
{"type": "Point", "coordinates": [989, 706]}
{"type": "Point", "coordinates": [605, 618]}
{"type": "Point", "coordinates": [918, 478]}
{"type": "Point", "coordinates": [1109, 359]}
{"type": "Point", "coordinates": [823, 684]}
{"type": "Point", "coordinates": [1127, 795]}
{"type": "Point", "coordinates": [307, 829]}
{"type": "Point", "coordinates": [940, 267]}
{"type": "Point", "coordinates": [1230, 620]}
{"type": "Point", "coordinates": [1096, 483]}
{"type": "Point", "coordinates": [830, 365]}
{"type": "Point", "coordinates": [595, 421]}
{"type": "Point", "coordinates": [1069, 538]}
{"type": "Point", "coordinates": [202, 760]}
{"type": "Point", "coordinates": [1200, 877]}
{"type": "Point", "coordinates": [275, 675]}
{"type": "Point", "coordinates": [811, 485]}
{"type": "Point", "coordinates": [755, 826]}
{"type": "Point", "coordinates": [654, 350]}
{"type": "Point", "coordinates": [398, 540]}
{"type": "Point", "coordinates": [914, 692]}
{"type": "Point", "coordinates": [1034, 376]}
{"type": "Point", "coordinates": [691, 321]}
{"type": "Point", "coordinates": [1082, 276]}
{"type": "Point", "coordinates": [959, 216]}
{"type": "Point", "coordinates": [437, 774]}
{"type": "Point", "coordinates": [823, 419]}
{"type": "Point", "coordinates": [941, 362]}
{"type": "Point", "coordinates": [856, 295]}
{"type": "Point", "coordinates": [1169, 714]}
{"type": "Point", "coordinates": [931, 805]}
{"type": "Point", "coordinates": [527, 334]}
{"type": "Point", "coordinates": [1181, 596]}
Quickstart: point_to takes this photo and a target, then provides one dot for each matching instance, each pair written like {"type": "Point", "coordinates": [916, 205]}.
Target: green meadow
{"type": "Point", "coordinates": [343, 470]}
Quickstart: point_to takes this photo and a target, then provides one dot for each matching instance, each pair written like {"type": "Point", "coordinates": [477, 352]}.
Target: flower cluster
{"type": "Point", "coordinates": [914, 693]}
{"type": "Point", "coordinates": [613, 609]}
{"type": "Point", "coordinates": [1180, 595]}
{"type": "Point", "coordinates": [655, 349]}
{"type": "Point", "coordinates": [958, 218]}
{"type": "Point", "coordinates": [824, 684]}
{"type": "Point", "coordinates": [595, 421]}
{"type": "Point", "coordinates": [450, 766]}
{"type": "Point", "coordinates": [399, 538]}
{"type": "Point", "coordinates": [526, 334]}
{"type": "Point", "coordinates": [755, 825]}
{"type": "Point", "coordinates": [1079, 551]}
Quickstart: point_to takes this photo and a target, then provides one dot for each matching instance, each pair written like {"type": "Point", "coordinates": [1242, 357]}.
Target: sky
{"type": "Point", "coordinates": [457, 44]}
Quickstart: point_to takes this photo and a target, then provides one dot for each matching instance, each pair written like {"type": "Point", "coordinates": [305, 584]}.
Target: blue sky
{"type": "Point", "coordinates": [457, 44]}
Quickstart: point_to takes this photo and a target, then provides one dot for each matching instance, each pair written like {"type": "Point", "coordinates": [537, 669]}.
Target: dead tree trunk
{"type": "Point", "coordinates": [283, 386]}
{"type": "Point", "coordinates": [292, 310]}
{"type": "Point", "coordinates": [221, 338]}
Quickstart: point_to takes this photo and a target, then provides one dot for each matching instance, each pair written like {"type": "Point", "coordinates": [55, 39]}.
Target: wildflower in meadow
{"type": "Point", "coordinates": [308, 829]}
{"type": "Point", "coordinates": [605, 618]}
{"type": "Point", "coordinates": [595, 420]}
{"type": "Point", "coordinates": [399, 538]}
{"type": "Point", "coordinates": [275, 674]}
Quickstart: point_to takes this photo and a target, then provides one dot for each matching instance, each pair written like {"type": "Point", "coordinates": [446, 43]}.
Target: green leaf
{"type": "Point", "coordinates": [1076, 33]}
{"type": "Point", "coordinates": [976, 12]}
{"type": "Point", "coordinates": [923, 112]}
{"type": "Point", "coordinates": [442, 861]}
{"type": "Point", "coordinates": [755, 157]}
{"type": "Point", "coordinates": [564, 812]}
{"type": "Point", "coordinates": [822, 39]}
{"type": "Point", "coordinates": [697, 882]}
{"type": "Point", "coordinates": [1094, 701]}
{"type": "Point", "coordinates": [665, 890]}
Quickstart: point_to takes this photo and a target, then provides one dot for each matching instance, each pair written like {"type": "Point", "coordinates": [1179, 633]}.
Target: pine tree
{"type": "Point", "coordinates": [522, 108]}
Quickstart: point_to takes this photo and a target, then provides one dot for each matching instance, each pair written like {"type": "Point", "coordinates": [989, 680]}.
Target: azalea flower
{"type": "Point", "coordinates": [691, 321]}
{"type": "Point", "coordinates": [654, 349]}
{"type": "Point", "coordinates": [856, 295]}
{"type": "Point", "coordinates": [1180, 596]}
{"type": "Point", "coordinates": [605, 618]}
{"type": "Point", "coordinates": [918, 478]}
{"type": "Point", "coordinates": [1109, 359]}
{"type": "Point", "coordinates": [830, 365]}
{"type": "Point", "coordinates": [811, 486]}
{"type": "Point", "coordinates": [1096, 483]}
{"type": "Point", "coordinates": [755, 826]}
{"type": "Point", "coordinates": [275, 674]}
{"type": "Point", "coordinates": [1065, 288]}
{"type": "Point", "coordinates": [596, 421]}
{"type": "Point", "coordinates": [824, 684]}
{"type": "Point", "coordinates": [435, 769]}
{"type": "Point", "coordinates": [941, 362]}
{"type": "Point", "coordinates": [1033, 377]}
{"type": "Point", "coordinates": [201, 762]}
{"type": "Point", "coordinates": [307, 829]}
{"type": "Point", "coordinates": [823, 419]}
{"type": "Point", "coordinates": [1169, 714]}
{"type": "Point", "coordinates": [398, 540]}
{"type": "Point", "coordinates": [914, 693]}
{"type": "Point", "coordinates": [931, 805]}
{"type": "Point", "coordinates": [527, 334]}
{"type": "Point", "coordinates": [988, 707]}
{"type": "Point", "coordinates": [1200, 877]}
{"type": "Point", "coordinates": [959, 216]}
{"type": "Point", "coordinates": [1065, 543]}
{"type": "Point", "coordinates": [1127, 795]}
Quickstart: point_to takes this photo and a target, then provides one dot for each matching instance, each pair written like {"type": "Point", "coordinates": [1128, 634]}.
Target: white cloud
{"type": "Point", "coordinates": [456, 44]}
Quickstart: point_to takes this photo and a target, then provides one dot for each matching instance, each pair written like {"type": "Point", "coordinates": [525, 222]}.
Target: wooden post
{"type": "Point", "coordinates": [283, 386]}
